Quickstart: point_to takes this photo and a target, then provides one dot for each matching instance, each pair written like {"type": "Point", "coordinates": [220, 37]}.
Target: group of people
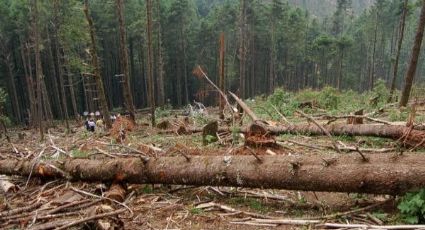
{"type": "Point", "coordinates": [93, 120]}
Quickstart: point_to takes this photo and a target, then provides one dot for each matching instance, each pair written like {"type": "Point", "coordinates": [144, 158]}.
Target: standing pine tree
{"type": "Point", "coordinates": [414, 59]}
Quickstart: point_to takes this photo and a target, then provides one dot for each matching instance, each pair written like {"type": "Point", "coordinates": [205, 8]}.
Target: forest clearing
{"type": "Point", "coordinates": [184, 174]}
{"type": "Point", "coordinates": [224, 114]}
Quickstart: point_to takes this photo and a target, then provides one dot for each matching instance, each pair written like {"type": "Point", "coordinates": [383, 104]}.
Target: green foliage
{"type": "Point", "coordinates": [412, 207]}
{"type": "Point", "coordinates": [398, 115]}
{"type": "Point", "coordinates": [235, 134]}
{"type": "Point", "coordinates": [147, 189]}
{"type": "Point", "coordinates": [6, 120]}
{"type": "Point", "coordinates": [3, 96]}
{"type": "Point", "coordinates": [328, 98]}
{"type": "Point", "coordinates": [381, 92]}
{"type": "Point", "coordinates": [76, 153]}
{"type": "Point", "coordinates": [304, 43]}
{"type": "Point", "coordinates": [307, 95]}
{"type": "Point", "coordinates": [210, 139]}
{"type": "Point", "coordinates": [196, 211]}
{"type": "Point", "coordinates": [163, 111]}
{"type": "Point", "coordinates": [380, 215]}
{"type": "Point", "coordinates": [279, 97]}
{"type": "Point", "coordinates": [283, 101]}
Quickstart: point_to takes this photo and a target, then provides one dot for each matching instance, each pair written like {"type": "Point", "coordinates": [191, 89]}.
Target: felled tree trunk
{"type": "Point", "coordinates": [379, 174]}
{"type": "Point", "coordinates": [409, 136]}
{"type": "Point", "coordinates": [413, 137]}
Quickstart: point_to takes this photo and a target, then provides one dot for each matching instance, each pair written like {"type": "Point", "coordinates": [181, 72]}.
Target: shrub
{"type": "Point", "coordinates": [279, 98]}
{"type": "Point", "coordinates": [328, 98]}
{"type": "Point", "coordinates": [381, 92]}
{"type": "Point", "coordinates": [412, 207]}
{"type": "Point", "coordinates": [307, 95]}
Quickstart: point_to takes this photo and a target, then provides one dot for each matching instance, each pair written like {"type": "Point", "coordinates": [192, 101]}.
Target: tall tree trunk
{"type": "Point", "coordinates": [47, 106]}
{"type": "Point", "coordinates": [133, 72]}
{"type": "Point", "coordinates": [32, 86]}
{"type": "Point", "coordinates": [143, 82]}
{"type": "Point", "coordinates": [178, 88]}
{"type": "Point", "coordinates": [399, 45]}
{"type": "Point", "coordinates": [252, 54]}
{"type": "Point", "coordinates": [56, 100]}
{"type": "Point", "coordinates": [339, 79]}
{"type": "Point", "coordinates": [150, 61]}
{"type": "Point", "coordinates": [72, 92]}
{"type": "Point", "coordinates": [242, 49]}
{"type": "Point", "coordinates": [185, 73]}
{"type": "Point", "coordinates": [414, 58]}
{"type": "Point", "coordinates": [30, 113]}
{"type": "Point", "coordinates": [221, 83]}
{"type": "Point", "coordinates": [38, 68]}
{"type": "Point", "coordinates": [69, 75]}
{"type": "Point", "coordinates": [128, 98]}
{"type": "Point", "coordinates": [272, 68]}
{"type": "Point", "coordinates": [97, 70]}
{"type": "Point", "coordinates": [59, 63]}
{"type": "Point", "coordinates": [393, 44]}
{"type": "Point", "coordinates": [372, 68]}
{"type": "Point", "coordinates": [160, 67]}
{"type": "Point", "coordinates": [6, 56]}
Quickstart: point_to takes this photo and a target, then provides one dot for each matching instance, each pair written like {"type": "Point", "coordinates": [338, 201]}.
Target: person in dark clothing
{"type": "Point", "coordinates": [91, 125]}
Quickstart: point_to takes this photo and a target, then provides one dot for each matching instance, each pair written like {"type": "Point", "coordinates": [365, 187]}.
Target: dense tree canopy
{"type": "Point", "coordinates": [291, 44]}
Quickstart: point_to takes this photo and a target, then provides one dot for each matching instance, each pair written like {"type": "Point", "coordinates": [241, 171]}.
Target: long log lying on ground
{"type": "Point", "coordinates": [407, 135]}
{"type": "Point", "coordinates": [380, 174]}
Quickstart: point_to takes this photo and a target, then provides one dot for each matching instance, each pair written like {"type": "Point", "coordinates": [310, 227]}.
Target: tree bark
{"type": "Point", "coordinates": [128, 98]}
{"type": "Point", "coordinates": [242, 50]}
{"type": "Point", "coordinates": [409, 136]}
{"type": "Point", "coordinates": [97, 71]}
{"type": "Point", "coordinates": [38, 69]}
{"type": "Point", "coordinates": [33, 115]}
{"type": "Point", "coordinates": [70, 79]}
{"type": "Point", "coordinates": [46, 103]}
{"type": "Point", "coordinates": [6, 56]}
{"type": "Point", "coordinates": [31, 112]}
{"type": "Point", "coordinates": [399, 45]}
{"type": "Point", "coordinates": [59, 63]}
{"type": "Point", "coordinates": [56, 100]}
{"type": "Point", "coordinates": [221, 83]}
{"type": "Point", "coordinates": [150, 61]}
{"type": "Point", "coordinates": [160, 67]}
{"type": "Point", "coordinates": [372, 67]}
{"type": "Point", "coordinates": [414, 59]}
{"type": "Point", "coordinates": [185, 73]}
{"type": "Point", "coordinates": [380, 174]}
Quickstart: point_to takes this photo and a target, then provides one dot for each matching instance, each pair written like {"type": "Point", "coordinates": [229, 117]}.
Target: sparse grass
{"type": "Point", "coordinates": [147, 189]}
{"type": "Point", "coordinates": [398, 115]}
{"type": "Point", "coordinates": [196, 211]}
{"type": "Point", "coordinates": [375, 142]}
{"type": "Point", "coordinates": [164, 111]}
{"type": "Point", "coordinates": [346, 138]}
{"type": "Point", "coordinates": [253, 204]}
{"type": "Point", "coordinates": [76, 153]}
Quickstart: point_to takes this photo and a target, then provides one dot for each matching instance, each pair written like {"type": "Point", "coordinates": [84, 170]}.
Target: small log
{"type": "Point", "coordinates": [6, 186]}
{"type": "Point", "coordinates": [116, 192]}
